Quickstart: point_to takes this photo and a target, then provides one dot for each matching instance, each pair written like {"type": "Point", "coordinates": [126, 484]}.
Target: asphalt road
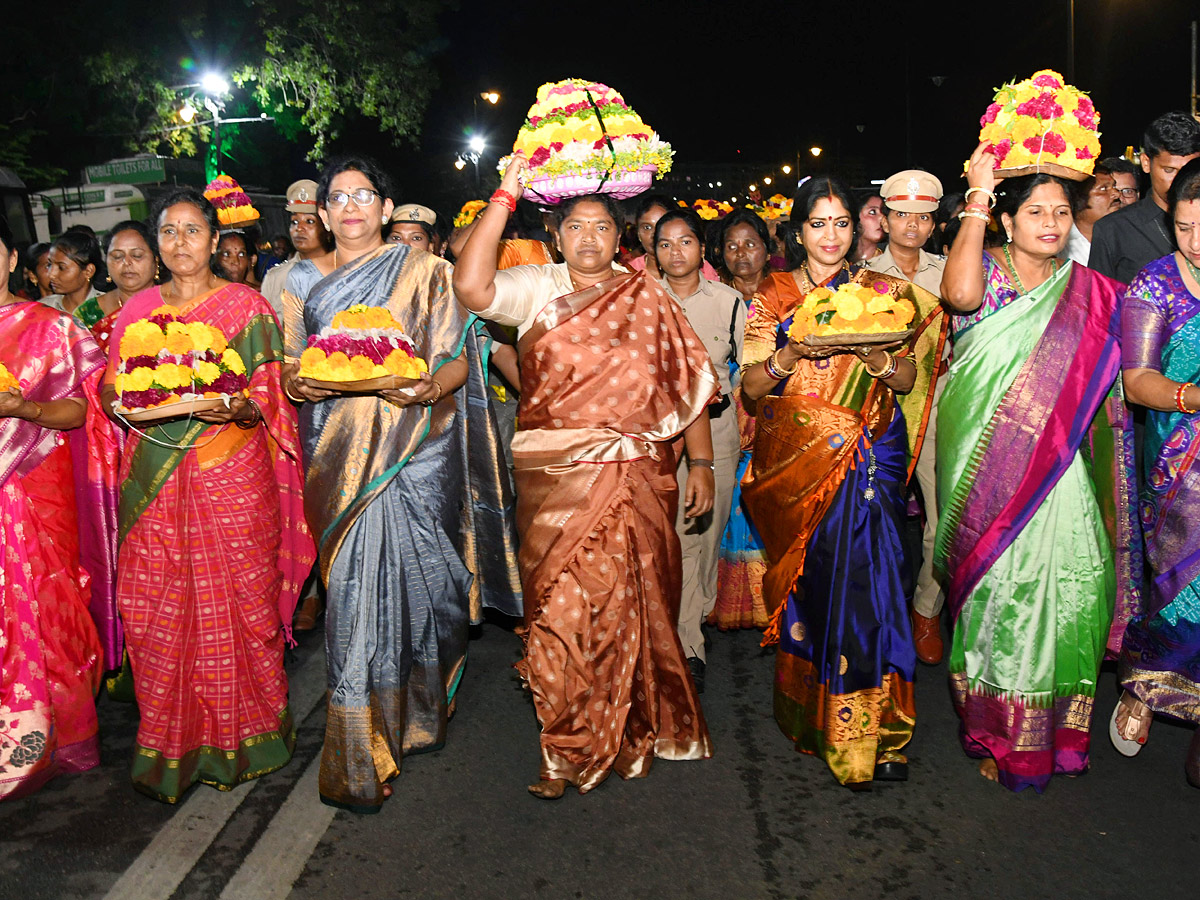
{"type": "Point", "coordinates": [756, 821]}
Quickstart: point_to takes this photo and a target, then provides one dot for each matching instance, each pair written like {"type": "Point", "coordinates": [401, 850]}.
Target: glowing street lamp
{"type": "Point", "coordinates": [476, 143]}
{"type": "Point", "coordinates": [753, 188]}
{"type": "Point", "coordinates": [187, 112]}
{"type": "Point", "coordinates": [214, 85]}
{"type": "Point", "coordinates": [491, 97]}
{"type": "Point", "coordinates": [815, 151]}
{"type": "Point", "coordinates": [460, 164]}
{"type": "Point", "coordinates": [787, 170]}
{"type": "Point", "coordinates": [767, 180]}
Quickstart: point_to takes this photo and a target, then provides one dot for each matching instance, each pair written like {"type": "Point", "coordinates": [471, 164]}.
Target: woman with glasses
{"type": "Point", "coordinates": [398, 506]}
{"type": "Point", "coordinates": [213, 544]}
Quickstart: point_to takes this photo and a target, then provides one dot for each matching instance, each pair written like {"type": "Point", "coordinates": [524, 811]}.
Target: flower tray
{"type": "Point", "coordinates": [170, 410]}
{"type": "Point", "coordinates": [1048, 168]}
{"type": "Point", "coordinates": [621, 185]}
{"type": "Point", "coordinates": [366, 385]}
{"type": "Point", "coordinates": [835, 340]}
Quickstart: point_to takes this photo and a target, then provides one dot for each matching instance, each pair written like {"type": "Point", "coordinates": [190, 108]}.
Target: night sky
{"type": "Point", "coordinates": [755, 82]}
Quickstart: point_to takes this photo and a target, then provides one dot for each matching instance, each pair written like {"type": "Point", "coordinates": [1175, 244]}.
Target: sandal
{"type": "Point", "coordinates": [1130, 746]}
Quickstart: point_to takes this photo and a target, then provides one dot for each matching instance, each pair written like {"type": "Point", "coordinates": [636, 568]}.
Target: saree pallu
{"type": "Point", "coordinates": [412, 533]}
{"type": "Point", "coordinates": [1160, 658]}
{"type": "Point", "coordinates": [1029, 425]}
{"type": "Point", "coordinates": [596, 500]}
{"type": "Point", "coordinates": [213, 552]}
{"type": "Point", "coordinates": [50, 655]}
{"type": "Point", "coordinates": [833, 450]}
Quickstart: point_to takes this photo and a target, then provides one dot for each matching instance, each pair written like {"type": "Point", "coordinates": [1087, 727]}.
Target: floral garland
{"type": "Point", "coordinates": [469, 211]}
{"type": "Point", "coordinates": [8, 381]}
{"type": "Point", "coordinates": [164, 360]}
{"type": "Point", "coordinates": [1042, 120]}
{"type": "Point", "coordinates": [851, 309]}
{"type": "Point", "coordinates": [363, 342]}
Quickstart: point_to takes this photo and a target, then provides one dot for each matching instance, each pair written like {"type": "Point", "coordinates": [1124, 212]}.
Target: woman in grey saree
{"type": "Point", "coordinates": [399, 508]}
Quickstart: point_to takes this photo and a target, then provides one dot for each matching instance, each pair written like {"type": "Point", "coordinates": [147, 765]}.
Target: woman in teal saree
{"type": "Point", "coordinates": [1037, 527]}
{"type": "Point", "coordinates": [1160, 657]}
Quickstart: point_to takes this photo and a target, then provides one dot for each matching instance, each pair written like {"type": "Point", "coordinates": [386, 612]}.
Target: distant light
{"type": "Point", "coordinates": [815, 151]}
{"type": "Point", "coordinates": [767, 180]}
{"type": "Point", "coordinates": [718, 184]}
{"type": "Point", "coordinates": [460, 164]}
{"type": "Point", "coordinates": [753, 188]}
{"type": "Point", "coordinates": [187, 112]}
{"type": "Point", "coordinates": [787, 170]}
{"type": "Point", "coordinates": [490, 96]}
{"type": "Point", "coordinates": [710, 184]}
{"type": "Point", "coordinates": [214, 84]}
{"type": "Point", "coordinates": [477, 143]}
{"type": "Point", "coordinates": [733, 199]}
{"type": "Point", "coordinates": [876, 181]}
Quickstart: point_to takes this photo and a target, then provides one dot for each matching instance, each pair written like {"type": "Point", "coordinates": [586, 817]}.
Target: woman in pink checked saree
{"type": "Point", "coordinates": [214, 546]}
{"type": "Point", "coordinates": [50, 655]}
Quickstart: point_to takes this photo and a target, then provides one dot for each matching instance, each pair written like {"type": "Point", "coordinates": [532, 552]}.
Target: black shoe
{"type": "Point", "coordinates": [696, 665]}
{"type": "Point", "coordinates": [704, 634]}
{"type": "Point", "coordinates": [891, 771]}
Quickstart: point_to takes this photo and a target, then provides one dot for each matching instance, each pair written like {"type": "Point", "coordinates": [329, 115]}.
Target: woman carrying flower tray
{"type": "Point", "coordinates": [412, 527]}
{"type": "Point", "coordinates": [214, 546]}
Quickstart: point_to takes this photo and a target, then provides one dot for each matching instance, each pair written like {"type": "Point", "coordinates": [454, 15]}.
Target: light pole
{"type": "Point", "coordinates": [475, 147]}
{"type": "Point", "coordinates": [214, 87]}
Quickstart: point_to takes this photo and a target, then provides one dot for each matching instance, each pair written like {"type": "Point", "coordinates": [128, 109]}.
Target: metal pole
{"type": "Point", "coordinates": [1193, 69]}
{"type": "Point", "coordinates": [1071, 44]}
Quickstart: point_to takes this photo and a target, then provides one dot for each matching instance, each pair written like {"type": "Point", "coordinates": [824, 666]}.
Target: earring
{"type": "Point", "coordinates": [385, 218]}
{"type": "Point", "coordinates": [1008, 235]}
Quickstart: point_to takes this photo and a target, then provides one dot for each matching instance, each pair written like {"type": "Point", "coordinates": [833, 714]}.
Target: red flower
{"type": "Point", "coordinates": [540, 156]}
{"type": "Point", "coordinates": [556, 145]}
{"type": "Point", "coordinates": [1051, 143]}
{"type": "Point", "coordinates": [1047, 81]}
{"type": "Point", "coordinates": [1044, 106]}
{"type": "Point", "coordinates": [1086, 114]}
{"type": "Point", "coordinates": [1000, 150]}
{"type": "Point", "coordinates": [990, 116]}
{"type": "Point", "coordinates": [1083, 153]}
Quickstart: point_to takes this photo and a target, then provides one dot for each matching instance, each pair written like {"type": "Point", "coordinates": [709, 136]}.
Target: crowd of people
{"type": "Point", "coordinates": [618, 441]}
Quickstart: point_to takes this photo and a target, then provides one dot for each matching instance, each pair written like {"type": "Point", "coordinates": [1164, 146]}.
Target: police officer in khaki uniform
{"type": "Point", "coordinates": [308, 235]}
{"type": "Point", "coordinates": [910, 199]}
{"type": "Point", "coordinates": [416, 226]}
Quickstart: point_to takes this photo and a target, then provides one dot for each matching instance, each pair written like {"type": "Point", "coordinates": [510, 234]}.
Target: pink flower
{"type": "Point", "coordinates": [1047, 81]}
{"type": "Point", "coordinates": [1051, 143]}
{"type": "Point", "coordinates": [990, 116]}
{"type": "Point", "coordinates": [1000, 150]}
{"type": "Point", "coordinates": [540, 156]}
{"type": "Point", "coordinates": [556, 146]}
{"type": "Point", "coordinates": [1044, 106]}
{"type": "Point", "coordinates": [1086, 114]}
{"type": "Point", "coordinates": [1083, 153]}
{"type": "Point", "coordinates": [881, 287]}
{"type": "Point", "coordinates": [134, 361]}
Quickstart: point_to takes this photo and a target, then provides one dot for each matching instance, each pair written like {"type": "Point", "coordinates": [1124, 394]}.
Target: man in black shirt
{"type": "Point", "coordinates": [1125, 241]}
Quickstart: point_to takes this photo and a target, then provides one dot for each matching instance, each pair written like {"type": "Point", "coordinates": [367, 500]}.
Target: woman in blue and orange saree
{"type": "Point", "coordinates": [411, 528]}
{"type": "Point", "coordinates": [1038, 541]}
{"type": "Point", "coordinates": [612, 376]}
{"type": "Point", "coordinates": [836, 435]}
{"type": "Point", "coordinates": [1160, 358]}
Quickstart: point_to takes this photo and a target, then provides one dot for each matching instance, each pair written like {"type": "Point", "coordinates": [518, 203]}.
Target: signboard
{"type": "Point", "coordinates": [138, 170]}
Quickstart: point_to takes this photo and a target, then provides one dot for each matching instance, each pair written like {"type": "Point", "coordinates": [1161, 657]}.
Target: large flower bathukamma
{"type": "Point", "coordinates": [234, 209]}
{"type": "Point", "coordinates": [857, 313]}
{"type": "Point", "coordinates": [166, 364]}
{"type": "Point", "coordinates": [8, 381]}
{"type": "Point", "coordinates": [1042, 124]}
{"type": "Point", "coordinates": [364, 343]}
{"type": "Point", "coordinates": [581, 137]}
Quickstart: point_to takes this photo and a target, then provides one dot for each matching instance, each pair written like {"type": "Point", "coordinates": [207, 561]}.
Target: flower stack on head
{"type": "Point", "coordinates": [470, 210]}
{"type": "Point", "coordinates": [234, 209]}
{"type": "Point", "coordinates": [712, 209]}
{"type": "Point", "coordinates": [868, 310]}
{"type": "Point", "coordinates": [580, 137]}
{"type": "Point", "coordinates": [164, 360]}
{"type": "Point", "coordinates": [1042, 124]}
{"type": "Point", "coordinates": [8, 381]}
{"type": "Point", "coordinates": [778, 206]}
{"type": "Point", "coordinates": [363, 343]}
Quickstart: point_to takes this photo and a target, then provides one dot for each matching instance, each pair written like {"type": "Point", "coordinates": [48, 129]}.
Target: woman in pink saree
{"type": "Point", "coordinates": [50, 654]}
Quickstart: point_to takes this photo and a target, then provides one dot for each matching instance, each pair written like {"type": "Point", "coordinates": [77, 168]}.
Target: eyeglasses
{"type": "Point", "coordinates": [360, 196]}
{"type": "Point", "coordinates": [1128, 192]}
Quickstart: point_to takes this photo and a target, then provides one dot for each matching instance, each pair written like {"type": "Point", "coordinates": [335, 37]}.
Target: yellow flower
{"type": "Point", "coordinates": [178, 342]}
{"type": "Point", "coordinates": [848, 306]}
{"type": "Point", "coordinates": [201, 336]}
{"type": "Point", "coordinates": [206, 372]}
{"type": "Point", "coordinates": [233, 361]}
{"type": "Point", "coordinates": [360, 367]}
{"type": "Point", "coordinates": [167, 375]}
{"type": "Point", "coordinates": [139, 379]}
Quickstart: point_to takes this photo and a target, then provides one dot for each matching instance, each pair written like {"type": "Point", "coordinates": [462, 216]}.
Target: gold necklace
{"type": "Point", "coordinates": [1017, 278]}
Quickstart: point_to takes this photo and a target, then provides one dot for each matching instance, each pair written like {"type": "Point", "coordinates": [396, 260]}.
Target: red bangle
{"type": "Point", "coordinates": [979, 206]}
{"type": "Point", "coordinates": [1179, 398]}
{"type": "Point", "coordinates": [505, 199]}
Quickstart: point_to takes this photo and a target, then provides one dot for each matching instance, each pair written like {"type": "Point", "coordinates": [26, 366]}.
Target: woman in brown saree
{"type": "Point", "coordinates": [611, 375]}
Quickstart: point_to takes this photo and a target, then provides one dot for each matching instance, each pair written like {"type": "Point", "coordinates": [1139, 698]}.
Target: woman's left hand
{"type": "Point", "coordinates": [874, 355]}
{"type": "Point", "coordinates": [423, 391]}
{"type": "Point", "coordinates": [11, 404]}
{"type": "Point", "coordinates": [239, 410]}
{"type": "Point", "coordinates": [699, 492]}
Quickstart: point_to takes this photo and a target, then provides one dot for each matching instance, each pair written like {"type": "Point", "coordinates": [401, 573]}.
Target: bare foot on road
{"type": "Point", "coordinates": [551, 789]}
{"type": "Point", "coordinates": [989, 770]}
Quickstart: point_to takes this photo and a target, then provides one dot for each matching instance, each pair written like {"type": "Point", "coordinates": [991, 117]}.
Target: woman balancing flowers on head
{"type": "Point", "coordinates": [838, 429]}
{"type": "Point", "coordinates": [611, 375]}
{"type": "Point", "coordinates": [1036, 536]}
{"type": "Point", "coordinates": [213, 542]}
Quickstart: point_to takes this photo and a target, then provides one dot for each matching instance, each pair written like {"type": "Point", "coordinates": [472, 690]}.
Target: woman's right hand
{"type": "Point", "coordinates": [11, 404]}
{"type": "Point", "coordinates": [805, 351]}
{"type": "Point", "coordinates": [514, 175]}
{"type": "Point", "coordinates": [306, 390]}
{"type": "Point", "coordinates": [981, 169]}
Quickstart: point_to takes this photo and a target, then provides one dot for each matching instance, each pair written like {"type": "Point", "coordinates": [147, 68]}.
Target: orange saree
{"type": "Point", "coordinates": [610, 376]}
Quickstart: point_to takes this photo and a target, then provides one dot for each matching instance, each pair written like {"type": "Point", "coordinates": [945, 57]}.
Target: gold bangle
{"type": "Point", "coordinates": [887, 371]}
{"type": "Point", "coordinates": [290, 395]}
{"type": "Point", "coordinates": [438, 385]}
{"type": "Point", "coordinates": [973, 214]}
{"type": "Point", "coordinates": [39, 410]}
{"type": "Point", "coordinates": [779, 367]}
{"type": "Point", "coordinates": [980, 190]}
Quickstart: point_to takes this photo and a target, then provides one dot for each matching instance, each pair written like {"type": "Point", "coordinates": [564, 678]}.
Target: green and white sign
{"type": "Point", "coordinates": [138, 170]}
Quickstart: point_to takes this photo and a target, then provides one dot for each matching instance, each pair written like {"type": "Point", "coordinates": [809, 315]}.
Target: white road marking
{"type": "Point", "coordinates": [176, 849]}
{"type": "Point", "coordinates": [272, 867]}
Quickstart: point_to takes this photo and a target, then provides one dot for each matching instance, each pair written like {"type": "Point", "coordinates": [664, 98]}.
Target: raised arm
{"type": "Point", "coordinates": [475, 270]}
{"type": "Point", "coordinates": [962, 281]}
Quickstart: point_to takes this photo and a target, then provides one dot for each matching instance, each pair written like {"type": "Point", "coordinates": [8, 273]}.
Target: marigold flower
{"type": "Point", "coordinates": [139, 379]}
{"type": "Point", "coordinates": [232, 360]}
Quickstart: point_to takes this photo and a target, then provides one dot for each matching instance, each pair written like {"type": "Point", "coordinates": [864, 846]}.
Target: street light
{"type": "Point", "coordinates": [815, 151]}
{"type": "Point", "coordinates": [767, 180]}
{"type": "Point", "coordinates": [212, 83]}
{"type": "Point", "coordinates": [475, 147]}
{"type": "Point", "coordinates": [787, 170]}
{"type": "Point", "coordinates": [476, 143]}
{"type": "Point", "coordinates": [491, 97]}
{"type": "Point", "coordinates": [460, 164]}
{"type": "Point", "coordinates": [187, 112]}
